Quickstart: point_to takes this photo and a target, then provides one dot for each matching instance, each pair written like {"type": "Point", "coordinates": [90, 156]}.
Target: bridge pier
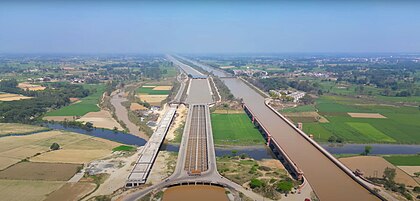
{"type": "Point", "coordinates": [277, 150]}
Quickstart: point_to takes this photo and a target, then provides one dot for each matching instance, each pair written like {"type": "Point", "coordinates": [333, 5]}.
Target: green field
{"type": "Point", "coordinates": [124, 148]}
{"type": "Point", "coordinates": [150, 91]}
{"type": "Point", "coordinates": [303, 108]}
{"type": "Point", "coordinates": [401, 125]}
{"type": "Point", "coordinates": [86, 105]}
{"type": "Point", "coordinates": [234, 129]}
{"type": "Point", "coordinates": [404, 160]}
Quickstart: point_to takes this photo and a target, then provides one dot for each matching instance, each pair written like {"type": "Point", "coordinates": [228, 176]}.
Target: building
{"type": "Point", "coordinates": [296, 95]}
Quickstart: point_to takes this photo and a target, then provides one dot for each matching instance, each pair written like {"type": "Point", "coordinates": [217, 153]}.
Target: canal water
{"type": "Point", "coordinates": [116, 136]}
{"type": "Point", "coordinates": [255, 152]}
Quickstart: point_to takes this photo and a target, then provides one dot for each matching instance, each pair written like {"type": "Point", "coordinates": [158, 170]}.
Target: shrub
{"type": "Point", "coordinates": [256, 183]}
{"type": "Point", "coordinates": [284, 186]}
{"type": "Point", "coordinates": [55, 146]}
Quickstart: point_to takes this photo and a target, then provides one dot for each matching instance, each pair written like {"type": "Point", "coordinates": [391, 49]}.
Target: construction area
{"type": "Point", "coordinates": [150, 151]}
{"type": "Point", "coordinates": [196, 156]}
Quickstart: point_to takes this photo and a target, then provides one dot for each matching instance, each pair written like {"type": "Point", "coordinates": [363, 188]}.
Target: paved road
{"type": "Point", "coordinates": [122, 114]}
{"type": "Point", "coordinates": [327, 179]}
{"type": "Point", "coordinates": [183, 82]}
{"type": "Point", "coordinates": [199, 92]}
{"type": "Point", "coordinates": [187, 69]}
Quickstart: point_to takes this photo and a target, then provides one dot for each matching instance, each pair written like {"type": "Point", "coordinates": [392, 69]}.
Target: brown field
{"type": "Point", "coordinates": [136, 106]}
{"type": "Point", "coordinates": [25, 190]}
{"type": "Point", "coordinates": [228, 111]}
{"type": "Point", "coordinates": [193, 193]}
{"type": "Point", "coordinates": [71, 191]}
{"type": "Point", "coordinates": [75, 148]}
{"type": "Point", "coordinates": [15, 148]}
{"type": "Point", "coordinates": [24, 152]}
{"type": "Point", "coordinates": [71, 156]}
{"type": "Point", "coordinates": [40, 171]}
{"type": "Point", "coordinates": [410, 170]}
{"type": "Point", "coordinates": [367, 115]}
{"type": "Point", "coordinates": [314, 115]}
{"type": "Point", "coordinates": [74, 99]}
{"type": "Point", "coordinates": [14, 128]}
{"type": "Point", "coordinates": [30, 87]}
{"type": "Point", "coordinates": [101, 119]}
{"type": "Point", "coordinates": [6, 162]}
{"type": "Point", "coordinates": [154, 100]}
{"type": "Point", "coordinates": [59, 118]}
{"type": "Point", "coordinates": [12, 97]}
{"type": "Point", "coordinates": [272, 163]}
{"type": "Point", "coordinates": [162, 88]}
{"type": "Point", "coordinates": [374, 166]}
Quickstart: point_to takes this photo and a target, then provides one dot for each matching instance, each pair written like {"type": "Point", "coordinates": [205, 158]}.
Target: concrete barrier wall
{"type": "Point", "coordinates": [325, 152]}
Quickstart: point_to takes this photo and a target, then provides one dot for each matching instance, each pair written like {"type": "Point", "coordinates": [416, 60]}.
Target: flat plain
{"type": "Point", "coordinates": [84, 106]}
{"type": "Point", "coordinates": [234, 129]}
{"type": "Point", "coordinates": [40, 171]}
{"type": "Point", "coordinates": [401, 124]}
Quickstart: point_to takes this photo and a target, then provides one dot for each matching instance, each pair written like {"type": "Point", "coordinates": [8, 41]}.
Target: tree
{"type": "Point", "coordinates": [226, 107]}
{"type": "Point", "coordinates": [55, 146]}
{"type": "Point", "coordinates": [307, 99]}
{"type": "Point", "coordinates": [256, 183]}
{"type": "Point", "coordinates": [284, 186]}
{"type": "Point", "coordinates": [332, 138]}
{"type": "Point", "coordinates": [367, 151]}
{"type": "Point", "coordinates": [89, 125]}
{"type": "Point", "coordinates": [417, 174]}
{"type": "Point", "coordinates": [389, 174]}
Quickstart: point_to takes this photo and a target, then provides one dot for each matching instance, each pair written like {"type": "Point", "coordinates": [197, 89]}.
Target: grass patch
{"type": "Point", "coordinates": [150, 91]}
{"type": "Point", "coordinates": [86, 104]}
{"type": "Point", "coordinates": [370, 131]}
{"type": "Point", "coordinates": [234, 129]}
{"type": "Point", "coordinates": [401, 125]}
{"type": "Point", "coordinates": [303, 108]}
{"type": "Point", "coordinates": [124, 148]}
{"type": "Point", "coordinates": [404, 160]}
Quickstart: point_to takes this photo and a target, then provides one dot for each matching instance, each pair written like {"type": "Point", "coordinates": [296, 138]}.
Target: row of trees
{"type": "Point", "coordinates": [25, 111]}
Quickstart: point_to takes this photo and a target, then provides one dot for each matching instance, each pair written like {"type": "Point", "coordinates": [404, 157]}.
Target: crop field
{"type": "Point", "coordinates": [401, 124]}
{"type": "Point", "coordinates": [374, 166]}
{"type": "Point", "coordinates": [15, 128]}
{"type": "Point", "coordinates": [234, 129]}
{"type": "Point", "coordinates": [71, 191]}
{"type": "Point", "coordinates": [75, 148]}
{"type": "Point", "coordinates": [101, 119]}
{"type": "Point", "coordinates": [40, 171]}
{"type": "Point", "coordinates": [154, 100]}
{"type": "Point", "coordinates": [303, 108]}
{"type": "Point", "coordinates": [84, 106]}
{"type": "Point", "coordinates": [12, 97]}
{"type": "Point", "coordinates": [18, 190]}
{"type": "Point", "coordinates": [404, 160]}
{"type": "Point", "coordinates": [154, 90]}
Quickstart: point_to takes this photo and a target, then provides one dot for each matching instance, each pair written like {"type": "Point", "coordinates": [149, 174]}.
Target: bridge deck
{"type": "Point", "coordinates": [196, 157]}
{"type": "Point", "coordinates": [149, 152]}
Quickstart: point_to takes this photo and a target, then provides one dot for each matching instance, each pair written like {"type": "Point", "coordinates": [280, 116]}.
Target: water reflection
{"type": "Point", "coordinates": [116, 136]}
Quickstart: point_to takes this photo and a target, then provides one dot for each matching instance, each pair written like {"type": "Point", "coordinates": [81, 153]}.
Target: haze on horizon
{"type": "Point", "coordinates": [209, 27]}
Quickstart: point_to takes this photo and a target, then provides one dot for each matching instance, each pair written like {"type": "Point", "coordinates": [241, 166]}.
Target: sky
{"type": "Point", "coordinates": [209, 26]}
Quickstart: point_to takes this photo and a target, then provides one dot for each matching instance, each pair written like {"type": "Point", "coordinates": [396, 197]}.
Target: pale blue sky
{"type": "Point", "coordinates": [205, 27]}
